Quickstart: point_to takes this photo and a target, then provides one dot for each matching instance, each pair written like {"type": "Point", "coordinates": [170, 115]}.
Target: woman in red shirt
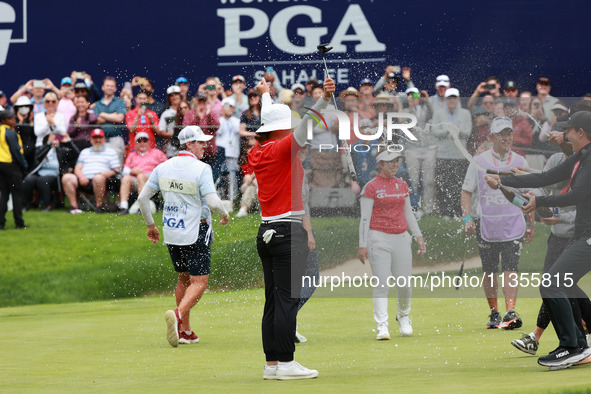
{"type": "Point", "coordinates": [386, 214]}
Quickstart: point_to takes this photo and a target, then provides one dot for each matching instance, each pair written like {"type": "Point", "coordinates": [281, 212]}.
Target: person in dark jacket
{"type": "Point", "coordinates": [12, 165]}
{"type": "Point", "coordinates": [54, 158]}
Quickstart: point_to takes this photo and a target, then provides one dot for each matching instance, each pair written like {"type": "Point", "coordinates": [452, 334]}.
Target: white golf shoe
{"type": "Point", "coordinates": [383, 333]}
{"type": "Point", "coordinates": [270, 372]}
{"type": "Point", "coordinates": [294, 370]}
{"type": "Point", "coordinates": [405, 327]}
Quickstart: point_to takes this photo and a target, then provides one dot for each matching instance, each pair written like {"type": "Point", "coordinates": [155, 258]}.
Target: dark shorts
{"type": "Point", "coordinates": [194, 259]}
{"type": "Point", "coordinates": [86, 189]}
{"type": "Point", "coordinates": [508, 251]}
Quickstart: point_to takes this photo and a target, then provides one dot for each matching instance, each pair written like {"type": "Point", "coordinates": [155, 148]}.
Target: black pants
{"type": "Point", "coordinates": [45, 185]}
{"type": "Point", "coordinates": [284, 262]}
{"type": "Point", "coordinates": [449, 177]}
{"type": "Point", "coordinates": [11, 179]}
{"type": "Point", "coordinates": [560, 294]}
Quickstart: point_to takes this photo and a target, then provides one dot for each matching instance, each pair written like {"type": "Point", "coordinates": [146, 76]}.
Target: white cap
{"type": "Point", "coordinates": [23, 101]}
{"type": "Point", "coordinates": [142, 134]}
{"type": "Point", "coordinates": [501, 123]}
{"type": "Point", "coordinates": [298, 86]}
{"type": "Point", "coordinates": [388, 156]}
{"type": "Point", "coordinates": [442, 80]}
{"type": "Point", "coordinates": [452, 92]}
{"type": "Point", "coordinates": [229, 101]}
{"type": "Point", "coordinates": [193, 133]}
{"type": "Point", "coordinates": [173, 89]}
{"type": "Point", "coordinates": [411, 90]}
{"type": "Point", "coordinates": [277, 117]}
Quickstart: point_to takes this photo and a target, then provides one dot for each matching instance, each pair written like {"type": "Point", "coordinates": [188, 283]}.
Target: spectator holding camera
{"type": "Point", "coordinates": [203, 117]}
{"type": "Point", "coordinates": [212, 88]}
{"type": "Point", "coordinates": [491, 86]}
{"type": "Point", "coordinates": [66, 104]}
{"type": "Point", "coordinates": [142, 119]}
{"type": "Point", "coordinates": [82, 122]}
{"type": "Point", "coordinates": [390, 82]}
{"type": "Point", "coordinates": [37, 88]}
{"type": "Point", "coordinates": [83, 84]}
{"type": "Point", "coordinates": [50, 121]}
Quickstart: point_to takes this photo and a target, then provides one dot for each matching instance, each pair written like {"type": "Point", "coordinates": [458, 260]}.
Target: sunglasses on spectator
{"type": "Point", "coordinates": [50, 101]}
{"type": "Point", "coordinates": [97, 137]}
{"type": "Point", "coordinates": [511, 90]}
{"type": "Point", "coordinates": [142, 140]}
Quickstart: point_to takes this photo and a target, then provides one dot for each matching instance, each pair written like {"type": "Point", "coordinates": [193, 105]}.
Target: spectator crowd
{"type": "Point", "coordinates": [88, 140]}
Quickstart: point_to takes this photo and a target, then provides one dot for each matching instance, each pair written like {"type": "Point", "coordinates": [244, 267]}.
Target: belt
{"type": "Point", "coordinates": [288, 219]}
{"type": "Point", "coordinates": [203, 221]}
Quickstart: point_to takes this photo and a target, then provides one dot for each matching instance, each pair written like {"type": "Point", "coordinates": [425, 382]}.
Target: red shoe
{"type": "Point", "coordinates": [188, 338]}
{"type": "Point", "coordinates": [173, 324]}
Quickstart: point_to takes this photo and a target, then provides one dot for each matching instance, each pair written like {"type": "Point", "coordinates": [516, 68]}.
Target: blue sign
{"type": "Point", "coordinates": [162, 40]}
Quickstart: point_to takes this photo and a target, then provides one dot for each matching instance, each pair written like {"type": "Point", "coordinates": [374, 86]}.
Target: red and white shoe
{"type": "Point", "coordinates": [186, 339]}
{"type": "Point", "coordinates": [173, 323]}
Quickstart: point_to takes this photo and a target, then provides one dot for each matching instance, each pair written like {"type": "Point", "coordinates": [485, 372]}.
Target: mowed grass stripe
{"type": "Point", "coordinates": [120, 346]}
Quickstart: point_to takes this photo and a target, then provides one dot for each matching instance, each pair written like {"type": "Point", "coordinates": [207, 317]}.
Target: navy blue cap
{"type": "Point", "coordinates": [366, 81]}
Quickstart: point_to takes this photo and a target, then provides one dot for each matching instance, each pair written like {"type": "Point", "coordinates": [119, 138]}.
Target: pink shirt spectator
{"type": "Point", "coordinates": [389, 195]}
{"type": "Point", "coordinates": [146, 162]}
{"type": "Point", "coordinates": [66, 107]}
{"type": "Point", "coordinates": [216, 108]}
{"type": "Point", "coordinates": [209, 124]}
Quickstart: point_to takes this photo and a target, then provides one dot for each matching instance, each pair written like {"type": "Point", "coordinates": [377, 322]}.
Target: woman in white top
{"type": "Point", "coordinates": [50, 121]}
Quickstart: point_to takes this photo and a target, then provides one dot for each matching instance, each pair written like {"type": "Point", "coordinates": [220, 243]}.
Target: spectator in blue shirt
{"type": "Point", "coordinates": [111, 113]}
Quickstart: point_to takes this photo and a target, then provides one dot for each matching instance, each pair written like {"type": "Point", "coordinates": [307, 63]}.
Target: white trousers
{"type": "Point", "coordinates": [390, 254]}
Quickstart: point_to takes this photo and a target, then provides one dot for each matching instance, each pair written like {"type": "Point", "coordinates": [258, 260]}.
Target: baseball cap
{"type": "Point", "coordinates": [173, 89]}
{"type": "Point", "coordinates": [97, 133]}
{"type": "Point", "coordinates": [238, 78]}
{"type": "Point", "coordinates": [80, 85]}
{"type": "Point", "coordinates": [560, 106]}
{"type": "Point", "coordinates": [442, 80]}
{"type": "Point", "coordinates": [142, 134]}
{"type": "Point", "coordinates": [7, 114]}
{"type": "Point", "coordinates": [510, 85]}
{"type": "Point", "coordinates": [578, 120]}
{"type": "Point", "coordinates": [252, 93]}
{"type": "Point", "coordinates": [2, 93]}
{"type": "Point", "coordinates": [298, 86]}
{"type": "Point", "coordinates": [411, 90]}
{"type": "Point", "coordinates": [181, 80]}
{"type": "Point", "coordinates": [276, 117]}
{"type": "Point", "coordinates": [201, 96]}
{"type": "Point", "coordinates": [350, 91]}
{"type": "Point", "coordinates": [366, 81]}
{"type": "Point", "coordinates": [23, 101]}
{"type": "Point", "coordinates": [229, 101]}
{"type": "Point", "coordinates": [388, 156]}
{"type": "Point", "coordinates": [66, 80]}
{"type": "Point", "coordinates": [452, 92]}
{"type": "Point", "coordinates": [501, 123]}
{"type": "Point", "coordinates": [394, 77]}
{"type": "Point", "coordinates": [193, 133]}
